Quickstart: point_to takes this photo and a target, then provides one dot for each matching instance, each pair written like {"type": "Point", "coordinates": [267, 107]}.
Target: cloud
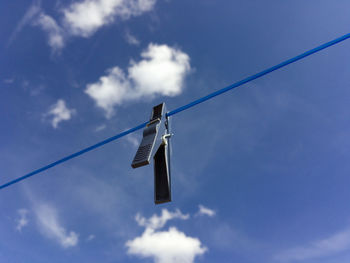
{"type": "Point", "coordinates": [86, 17]}
{"type": "Point", "coordinates": [9, 80]}
{"type": "Point", "coordinates": [169, 246]}
{"type": "Point", "coordinates": [81, 18]}
{"type": "Point", "coordinates": [22, 221]}
{"type": "Point", "coordinates": [156, 222]}
{"type": "Point", "coordinates": [31, 12]}
{"type": "Point", "coordinates": [100, 127]}
{"type": "Point", "coordinates": [321, 248]}
{"type": "Point", "coordinates": [110, 90]}
{"type": "Point", "coordinates": [205, 211]}
{"type": "Point", "coordinates": [131, 39]}
{"type": "Point", "coordinates": [133, 140]}
{"type": "Point", "coordinates": [35, 91]}
{"type": "Point", "coordinates": [55, 33]}
{"type": "Point", "coordinates": [59, 112]}
{"type": "Point", "coordinates": [90, 238]}
{"type": "Point", "coordinates": [50, 226]}
{"type": "Point", "coordinates": [160, 72]}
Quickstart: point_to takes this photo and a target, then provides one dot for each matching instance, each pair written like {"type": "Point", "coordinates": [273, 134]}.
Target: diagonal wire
{"type": "Point", "coordinates": [88, 149]}
{"type": "Point", "coordinates": [258, 75]}
{"type": "Point", "coordinates": [182, 108]}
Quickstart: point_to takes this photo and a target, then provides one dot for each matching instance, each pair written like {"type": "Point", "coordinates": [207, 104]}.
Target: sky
{"type": "Point", "coordinates": [259, 174]}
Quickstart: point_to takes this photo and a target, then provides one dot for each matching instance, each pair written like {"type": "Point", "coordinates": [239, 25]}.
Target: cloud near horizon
{"type": "Point", "coordinates": [161, 71]}
{"type": "Point", "coordinates": [169, 246]}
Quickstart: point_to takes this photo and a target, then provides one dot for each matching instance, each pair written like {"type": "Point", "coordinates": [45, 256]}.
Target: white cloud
{"type": "Point", "coordinates": [161, 72]}
{"type": "Point", "coordinates": [81, 18]}
{"type": "Point", "coordinates": [205, 211]}
{"type": "Point", "coordinates": [84, 18]}
{"type": "Point", "coordinates": [59, 112]}
{"type": "Point", "coordinates": [110, 90]}
{"type": "Point", "coordinates": [50, 226]}
{"type": "Point", "coordinates": [131, 39]}
{"type": "Point", "coordinates": [54, 31]}
{"type": "Point", "coordinates": [22, 221]}
{"type": "Point", "coordinates": [169, 246]}
{"type": "Point", "coordinates": [157, 222]}
{"type": "Point", "coordinates": [321, 248]}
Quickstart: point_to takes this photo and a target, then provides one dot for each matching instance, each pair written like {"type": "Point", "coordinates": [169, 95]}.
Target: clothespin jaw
{"type": "Point", "coordinates": [155, 143]}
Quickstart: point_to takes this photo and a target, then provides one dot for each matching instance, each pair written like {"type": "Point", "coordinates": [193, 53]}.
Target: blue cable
{"type": "Point", "coordinates": [182, 108]}
{"type": "Point", "coordinates": [258, 75]}
{"type": "Point", "coordinates": [88, 149]}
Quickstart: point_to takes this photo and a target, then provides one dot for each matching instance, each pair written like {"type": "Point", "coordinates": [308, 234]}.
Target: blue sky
{"type": "Point", "coordinates": [259, 174]}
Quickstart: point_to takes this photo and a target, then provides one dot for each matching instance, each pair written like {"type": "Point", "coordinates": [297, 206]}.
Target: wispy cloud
{"type": "Point", "coordinates": [9, 80]}
{"type": "Point", "coordinates": [131, 39]}
{"type": "Point", "coordinates": [100, 127]}
{"type": "Point", "coordinates": [320, 248]}
{"type": "Point", "coordinates": [133, 140]}
{"type": "Point", "coordinates": [36, 17]}
{"type": "Point", "coordinates": [169, 246]}
{"type": "Point", "coordinates": [59, 112]}
{"type": "Point", "coordinates": [35, 91]}
{"type": "Point", "coordinates": [31, 12]}
{"type": "Point", "coordinates": [50, 226]}
{"type": "Point", "coordinates": [161, 72]}
{"type": "Point", "coordinates": [90, 238]}
{"type": "Point", "coordinates": [22, 221]}
{"type": "Point", "coordinates": [55, 33]}
{"type": "Point", "coordinates": [202, 210]}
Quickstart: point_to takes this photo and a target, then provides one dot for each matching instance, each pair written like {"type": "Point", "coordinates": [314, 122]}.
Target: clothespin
{"type": "Point", "coordinates": [155, 143]}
